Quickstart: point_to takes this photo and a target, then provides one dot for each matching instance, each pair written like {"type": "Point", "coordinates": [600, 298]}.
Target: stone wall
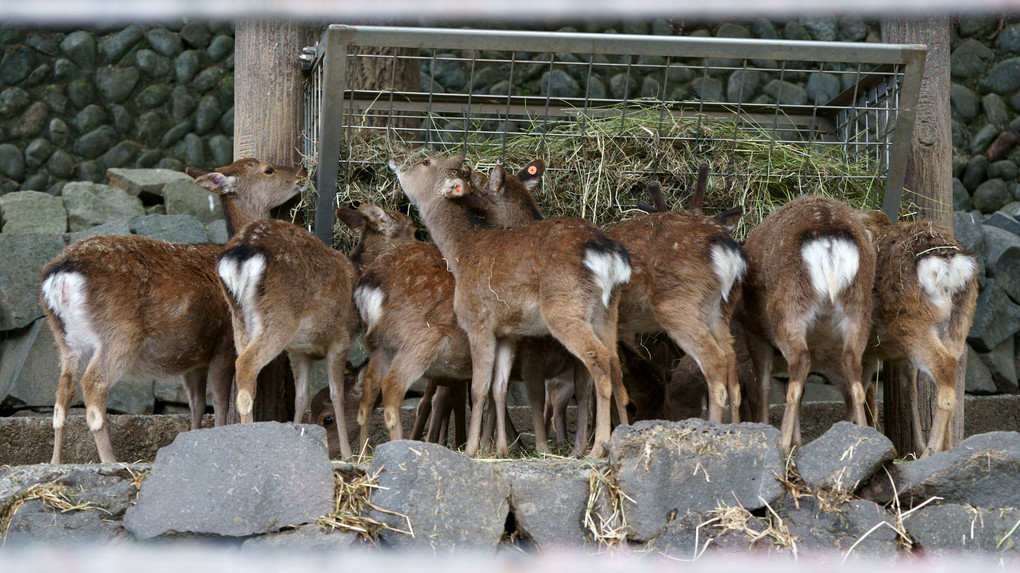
{"type": "Point", "coordinates": [74, 103]}
{"type": "Point", "coordinates": [78, 106]}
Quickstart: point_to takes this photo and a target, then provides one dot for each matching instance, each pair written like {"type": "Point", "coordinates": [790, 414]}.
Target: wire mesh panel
{"type": "Point", "coordinates": [774, 119]}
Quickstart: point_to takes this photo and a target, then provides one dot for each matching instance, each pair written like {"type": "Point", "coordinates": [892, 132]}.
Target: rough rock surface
{"type": "Point", "coordinates": [451, 501]}
{"type": "Point", "coordinates": [843, 457]}
{"type": "Point", "coordinates": [666, 468]}
{"type": "Point", "coordinates": [236, 480]}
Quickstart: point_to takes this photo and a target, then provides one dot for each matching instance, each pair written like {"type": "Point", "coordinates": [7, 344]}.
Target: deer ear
{"type": "Point", "coordinates": [531, 174]}
{"type": "Point", "coordinates": [729, 219]}
{"type": "Point", "coordinates": [497, 177]}
{"type": "Point", "coordinates": [350, 217]}
{"type": "Point", "coordinates": [216, 182]}
{"type": "Point", "coordinates": [454, 188]}
{"type": "Point", "coordinates": [373, 215]}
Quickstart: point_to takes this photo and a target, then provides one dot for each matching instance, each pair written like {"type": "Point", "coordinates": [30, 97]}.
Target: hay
{"type": "Point", "coordinates": [600, 161]}
{"type": "Point", "coordinates": [353, 490]}
{"type": "Point", "coordinates": [603, 515]}
{"type": "Point", "coordinates": [53, 494]}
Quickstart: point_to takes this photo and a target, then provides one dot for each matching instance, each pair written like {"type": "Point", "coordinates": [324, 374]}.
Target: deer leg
{"type": "Point", "coordinates": [65, 392]}
{"type": "Point", "coordinates": [194, 387]}
{"type": "Point", "coordinates": [534, 380]}
{"type": "Point", "coordinates": [798, 358]}
{"type": "Point", "coordinates": [911, 382]}
{"type": "Point", "coordinates": [501, 376]}
{"type": "Point", "coordinates": [95, 386]}
{"type": "Point", "coordinates": [221, 373]}
{"type": "Point", "coordinates": [424, 409]}
{"type": "Point", "coordinates": [761, 358]}
{"type": "Point", "coordinates": [404, 370]}
{"type": "Point", "coordinates": [944, 366]}
{"type": "Point", "coordinates": [700, 345]}
{"type": "Point", "coordinates": [336, 363]}
{"type": "Point", "coordinates": [458, 399]}
{"type": "Point", "coordinates": [252, 359]}
{"type": "Point", "coordinates": [483, 354]}
{"type": "Point", "coordinates": [301, 365]}
{"type": "Point", "coordinates": [439, 407]}
{"type": "Point", "coordinates": [583, 396]}
{"type": "Point", "coordinates": [378, 363]}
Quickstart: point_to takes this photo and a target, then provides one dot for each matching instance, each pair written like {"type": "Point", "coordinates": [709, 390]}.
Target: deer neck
{"type": "Point", "coordinates": [453, 229]}
{"type": "Point", "coordinates": [237, 215]}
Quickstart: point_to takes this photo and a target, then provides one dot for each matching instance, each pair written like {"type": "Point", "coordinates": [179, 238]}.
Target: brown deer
{"type": "Point", "coordinates": [808, 292]}
{"type": "Point", "coordinates": [925, 293]}
{"type": "Point", "coordinates": [287, 291]}
{"type": "Point", "coordinates": [322, 412]}
{"type": "Point", "coordinates": [130, 305]}
{"type": "Point", "coordinates": [406, 300]}
{"type": "Point", "coordinates": [554, 276]}
{"type": "Point", "coordinates": [685, 270]}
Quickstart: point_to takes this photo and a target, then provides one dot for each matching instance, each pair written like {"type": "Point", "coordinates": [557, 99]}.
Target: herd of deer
{"type": "Point", "coordinates": [833, 289]}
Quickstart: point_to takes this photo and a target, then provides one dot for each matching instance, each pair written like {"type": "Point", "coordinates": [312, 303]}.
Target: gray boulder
{"type": "Point", "coordinates": [21, 258]}
{"type": "Point", "coordinates": [996, 318]}
{"type": "Point", "coordinates": [548, 500]}
{"type": "Point", "coordinates": [173, 228]}
{"type": "Point", "coordinates": [991, 196]}
{"type": "Point", "coordinates": [186, 198]}
{"type": "Point", "coordinates": [450, 501]}
{"type": "Point", "coordinates": [236, 480]}
{"type": "Point", "coordinates": [983, 471]}
{"type": "Point", "coordinates": [90, 204]}
{"type": "Point", "coordinates": [969, 232]}
{"type": "Point", "coordinates": [144, 182]}
{"type": "Point", "coordinates": [952, 530]}
{"type": "Point", "coordinates": [843, 457]}
{"type": "Point", "coordinates": [666, 468]}
{"type": "Point", "coordinates": [110, 228]}
{"type": "Point", "coordinates": [101, 494]}
{"type": "Point", "coordinates": [217, 232]}
{"type": "Point", "coordinates": [32, 212]}
{"type": "Point", "coordinates": [821, 531]}
{"type": "Point", "coordinates": [979, 377]}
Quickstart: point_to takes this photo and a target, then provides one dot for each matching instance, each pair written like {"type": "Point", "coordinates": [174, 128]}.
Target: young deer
{"type": "Point", "coordinates": [406, 301]}
{"type": "Point", "coordinates": [554, 276]}
{"type": "Point", "coordinates": [287, 291]}
{"type": "Point", "coordinates": [924, 295]}
{"type": "Point", "coordinates": [811, 271]}
{"type": "Point", "coordinates": [684, 269]}
{"type": "Point", "coordinates": [130, 305]}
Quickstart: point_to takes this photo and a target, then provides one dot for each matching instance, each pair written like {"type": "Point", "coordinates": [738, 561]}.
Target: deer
{"type": "Point", "coordinates": [808, 294]}
{"type": "Point", "coordinates": [289, 292]}
{"type": "Point", "coordinates": [406, 302]}
{"type": "Point", "coordinates": [554, 276]}
{"type": "Point", "coordinates": [924, 294]}
{"type": "Point", "coordinates": [686, 271]}
{"type": "Point", "coordinates": [128, 305]}
{"type": "Point", "coordinates": [322, 413]}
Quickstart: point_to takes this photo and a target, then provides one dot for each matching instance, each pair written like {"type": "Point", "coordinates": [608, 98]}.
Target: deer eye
{"type": "Point", "coordinates": [426, 163]}
{"type": "Point", "coordinates": [327, 421]}
{"type": "Point", "coordinates": [269, 170]}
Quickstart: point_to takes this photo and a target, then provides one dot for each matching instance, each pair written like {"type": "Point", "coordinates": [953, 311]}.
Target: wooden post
{"type": "Point", "coordinates": [928, 187]}
{"type": "Point", "coordinates": [268, 107]}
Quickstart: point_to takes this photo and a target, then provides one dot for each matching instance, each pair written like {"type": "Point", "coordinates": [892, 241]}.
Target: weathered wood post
{"type": "Point", "coordinates": [268, 107]}
{"type": "Point", "coordinates": [928, 185]}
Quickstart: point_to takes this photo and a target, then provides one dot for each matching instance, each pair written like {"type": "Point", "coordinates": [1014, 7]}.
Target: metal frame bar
{"type": "Point", "coordinates": [337, 40]}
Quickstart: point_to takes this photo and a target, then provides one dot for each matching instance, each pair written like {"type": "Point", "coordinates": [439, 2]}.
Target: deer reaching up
{"type": "Point", "coordinates": [554, 276]}
{"type": "Point", "coordinates": [126, 305]}
{"type": "Point", "coordinates": [925, 293]}
{"type": "Point", "coordinates": [808, 292]}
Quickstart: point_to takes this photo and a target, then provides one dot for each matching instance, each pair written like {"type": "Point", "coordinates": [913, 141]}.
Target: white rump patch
{"type": "Point", "coordinates": [242, 280]}
{"type": "Point", "coordinates": [369, 301]}
{"type": "Point", "coordinates": [832, 264]}
{"type": "Point", "coordinates": [941, 278]}
{"type": "Point", "coordinates": [609, 271]}
{"type": "Point", "coordinates": [66, 296]}
{"type": "Point", "coordinates": [729, 267]}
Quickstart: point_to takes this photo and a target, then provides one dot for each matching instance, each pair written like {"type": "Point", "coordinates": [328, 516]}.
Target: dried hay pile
{"type": "Point", "coordinates": [599, 165]}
